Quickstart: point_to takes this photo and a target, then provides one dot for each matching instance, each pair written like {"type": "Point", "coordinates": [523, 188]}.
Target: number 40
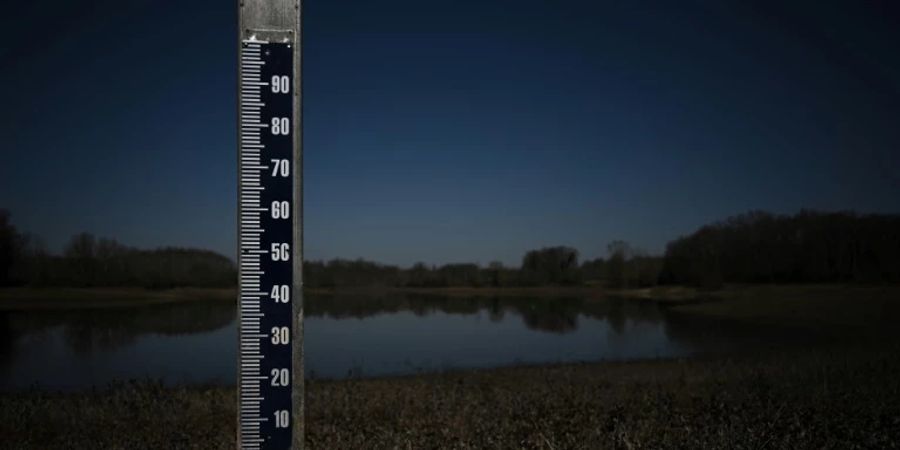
{"type": "Point", "coordinates": [281, 293]}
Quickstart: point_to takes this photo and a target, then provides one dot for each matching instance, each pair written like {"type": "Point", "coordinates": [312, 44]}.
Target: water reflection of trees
{"type": "Point", "coordinates": [550, 314]}
{"type": "Point", "coordinates": [7, 341]}
{"type": "Point", "coordinates": [92, 330]}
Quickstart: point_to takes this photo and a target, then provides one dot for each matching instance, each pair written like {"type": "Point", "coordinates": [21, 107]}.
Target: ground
{"type": "Point", "coordinates": [840, 398]}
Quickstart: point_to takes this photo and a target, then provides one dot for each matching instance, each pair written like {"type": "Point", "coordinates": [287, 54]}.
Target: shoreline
{"type": "Point", "coordinates": [590, 291]}
{"type": "Point", "coordinates": [49, 298]}
{"type": "Point", "coordinates": [823, 393]}
{"type": "Point", "coordinates": [680, 298]}
{"type": "Point", "coordinates": [27, 298]}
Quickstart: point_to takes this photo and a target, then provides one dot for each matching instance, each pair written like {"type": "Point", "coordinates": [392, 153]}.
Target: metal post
{"type": "Point", "coordinates": [270, 226]}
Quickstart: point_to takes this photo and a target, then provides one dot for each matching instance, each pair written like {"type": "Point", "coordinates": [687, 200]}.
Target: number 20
{"type": "Point", "coordinates": [280, 377]}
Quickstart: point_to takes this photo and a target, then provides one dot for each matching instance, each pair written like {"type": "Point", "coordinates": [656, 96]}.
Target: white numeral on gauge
{"type": "Point", "coordinates": [281, 335]}
{"type": "Point", "coordinates": [280, 168]}
{"type": "Point", "coordinates": [281, 210]}
{"type": "Point", "coordinates": [280, 251]}
{"type": "Point", "coordinates": [281, 293]}
{"type": "Point", "coordinates": [281, 84]}
{"type": "Point", "coordinates": [281, 418]}
{"type": "Point", "coordinates": [280, 377]}
{"type": "Point", "coordinates": [281, 126]}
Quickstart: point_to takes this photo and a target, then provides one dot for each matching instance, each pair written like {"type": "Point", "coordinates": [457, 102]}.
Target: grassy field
{"type": "Point", "coordinates": [837, 398]}
{"type": "Point", "coordinates": [73, 298]}
{"type": "Point", "coordinates": [843, 311]}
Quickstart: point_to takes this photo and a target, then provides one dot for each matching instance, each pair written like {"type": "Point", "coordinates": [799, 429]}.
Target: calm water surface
{"type": "Point", "coordinates": [196, 342]}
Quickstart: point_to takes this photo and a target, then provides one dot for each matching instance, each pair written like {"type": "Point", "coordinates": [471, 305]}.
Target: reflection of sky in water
{"type": "Point", "coordinates": [402, 342]}
{"type": "Point", "coordinates": [47, 359]}
{"type": "Point", "coordinates": [84, 350]}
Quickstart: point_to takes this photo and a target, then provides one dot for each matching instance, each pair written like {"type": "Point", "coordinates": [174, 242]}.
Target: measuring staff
{"type": "Point", "coordinates": [270, 226]}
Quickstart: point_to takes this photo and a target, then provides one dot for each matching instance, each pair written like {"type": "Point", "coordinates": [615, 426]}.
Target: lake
{"type": "Point", "coordinates": [345, 336]}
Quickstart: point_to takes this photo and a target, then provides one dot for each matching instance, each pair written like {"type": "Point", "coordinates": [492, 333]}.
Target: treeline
{"type": "Point", "coordinates": [88, 261]}
{"type": "Point", "coordinates": [543, 267]}
{"type": "Point", "coordinates": [809, 247]}
{"type": "Point", "coordinates": [552, 265]}
{"type": "Point", "coordinates": [757, 247]}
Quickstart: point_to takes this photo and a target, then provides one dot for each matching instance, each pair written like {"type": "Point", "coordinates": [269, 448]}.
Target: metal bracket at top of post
{"type": "Point", "coordinates": [270, 20]}
{"type": "Point", "coordinates": [278, 36]}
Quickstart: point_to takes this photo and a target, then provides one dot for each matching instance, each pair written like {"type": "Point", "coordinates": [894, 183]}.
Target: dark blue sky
{"type": "Point", "coordinates": [456, 131]}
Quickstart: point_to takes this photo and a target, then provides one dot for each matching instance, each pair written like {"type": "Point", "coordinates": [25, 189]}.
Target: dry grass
{"type": "Point", "coordinates": [838, 308]}
{"type": "Point", "coordinates": [821, 400]}
{"type": "Point", "coordinates": [125, 416]}
{"type": "Point", "coordinates": [837, 398]}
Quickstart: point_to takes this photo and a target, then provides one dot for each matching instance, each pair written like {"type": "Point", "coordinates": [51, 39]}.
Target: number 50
{"type": "Point", "coordinates": [280, 252]}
